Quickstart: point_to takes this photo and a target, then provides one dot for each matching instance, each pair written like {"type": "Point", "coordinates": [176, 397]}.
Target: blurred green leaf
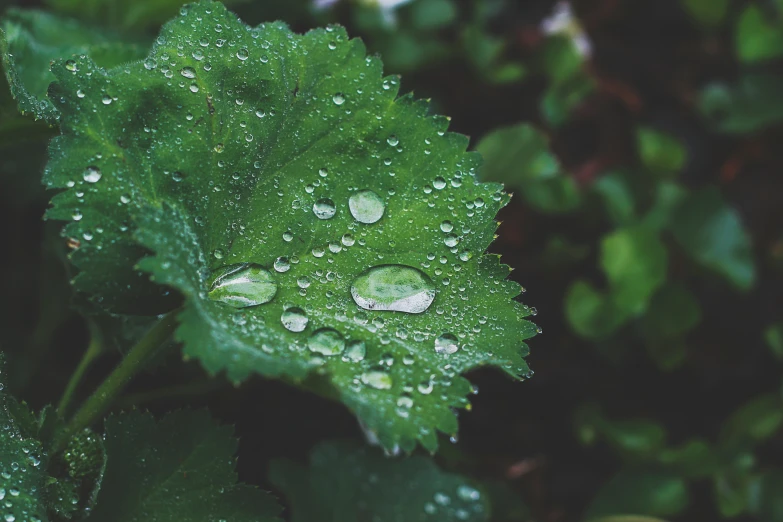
{"type": "Point", "coordinates": [693, 459]}
{"type": "Point", "coordinates": [561, 60]}
{"type": "Point", "coordinates": [758, 37]}
{"type": "Point", "coordinates": [774, 337]}
{"type": "Point", "coordinates": [634, 438]}
{"type": "Point", "coordinates": [553, 195]}
{"type": "Point", "coordinates": [661, 153]}
{"type": "Point", "coordinates": [432, 14]}
{"type": "Point", "coordinates": [517, 155]}
{"type": "Point", "coordinates": [734, 489]}
{"type": "Point", "coordinates": [349, 484]}
{"type": "Point", "coordinates": [508, 73]}
{"type": "Point", "coordinates": [711, 232]}
{"type": "Point", "coordinates": [754, 102]}
{"type": "Point", "coordinates": [652, 493]}
{"type": "Point", "coordinates": [591, 313]}
{"type": "Point", "coordinates": [668, 197]}
{"type": "Point", "coordinates": [768, 505]}
{"type": "Point", "coordinates": [562, 98]}
{"type": "Point", "coordinates": [667, 354]}
{"type": "Point", "coordinates": [507, 506]}
{"type": "Point", "coordinates": [708, 13]}
{"type": "Point", "coordinates": [626, 518]}
{"type": "Point", "coordinates": [673, 311]}
{"type": "Point", "coordinates": [634, 260]}
{"type": "Point", "coordinates": [617, 197]}
{"type": "Point", "coordinates": [757, 420]}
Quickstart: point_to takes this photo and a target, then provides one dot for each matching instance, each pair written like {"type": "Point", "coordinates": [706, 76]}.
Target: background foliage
{"type": "Point", "coordinates": [641, 140]}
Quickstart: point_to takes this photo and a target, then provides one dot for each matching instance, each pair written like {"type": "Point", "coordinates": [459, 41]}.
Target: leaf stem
{"type": "Point", "coordinates": [139, 356]}
{"type": "Point", "coordinates": [93, 351]}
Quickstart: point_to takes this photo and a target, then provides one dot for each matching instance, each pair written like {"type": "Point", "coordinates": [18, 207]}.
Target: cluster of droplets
{"type": "Point", "coordinates": [463, 504]}
{"type": "Point", "coordinates": [17, 505]}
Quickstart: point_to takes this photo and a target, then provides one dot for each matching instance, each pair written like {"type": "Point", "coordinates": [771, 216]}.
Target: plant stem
{"type": "Point", "coordinates": [94, 350]}
{"type": "Point", "coordinates": [139, 356]}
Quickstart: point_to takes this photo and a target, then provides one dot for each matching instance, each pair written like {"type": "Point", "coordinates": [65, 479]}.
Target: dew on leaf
{"type": "Point", "coordinates": [92, 174]}
{"type": "Point", "coordinates": [338, 99]}
{"type": "Point", "coordinates": [395, 288]}
{"type": "Point", "coordinates": [294, 319]}
{"type": "Point", "coordinates": [324, 208]}
{"type": "Point", "coordinates": [446, 226]}
{"type": "Point", "coordinates": [447, 343]}
{"type": "Point", "coordinates": [326, 341]}
{"type": "Point", "coordinates": [243, 285]}
{"type": "Point", "coordinates": [188, 72]}
{"type": "Point", "coordinates": [377, 379]}
{"type": "Point", "coordinates": [243, 54]}
{"type": "Point", "coordinates": [366, 206]}
{"type": "Point", "coordinates": [282, 264]}
{"type": "Point", "coordinates": [355, 351]}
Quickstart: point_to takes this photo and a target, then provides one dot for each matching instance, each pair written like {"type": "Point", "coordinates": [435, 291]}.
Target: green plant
{"type": "Point", "coordinates": [287, 215]}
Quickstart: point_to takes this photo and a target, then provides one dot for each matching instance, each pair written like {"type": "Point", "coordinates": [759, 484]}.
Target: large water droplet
{"type": "Point", "coordinates": [326, 341]}
{"type": "Point", "coordinates": [366, 206]}
{"type": "Point", "coordinates": [188, 72]}
{"type": "Point", "coordinates": [294, 319]}
{"type": "Point", "coordinates": [92, 174]}
{"type": "Point", "coordinates": [395, 288]}
{"type": "Point", "coordinates": [447, 343]}
{"type": "Point", "coordinates": [355, 351]}
{"type": "Point", "coordinates": [324, 208]}
{"type": "Point", "coordinates": [243, 285]}
{"type": "Point", "coordinates": [377, 379]}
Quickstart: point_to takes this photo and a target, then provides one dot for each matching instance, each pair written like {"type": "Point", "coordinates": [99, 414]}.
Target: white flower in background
{"type": "Point", "coordinates": [563, 22]}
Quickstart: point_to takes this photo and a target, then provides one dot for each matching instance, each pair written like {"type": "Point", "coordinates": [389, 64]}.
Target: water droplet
{"type": "Point", "coordinates": [282, 264]}
{"type": "Point", "coordinates": [366, 206]}
{"type": "Point", "coordinates": [324, 208]}
{"type": "Point", "coordinates": [392, 140]}
{"type": "Point", "coordinates": [377, 379]}
{"type": "Point", "coordinates": [355, 351]}
{"type": "Point", "coordinates": [395, 288]}
{"type": "Point", "coordinates": [188, 72]}
{"type": "Point", "coordinates": [451, 240]}
{"type": "Point", "coordinates": [468, 494]}
{"type": "Point", "coordinates": [338, 99]}
{"type": "Point", "coordinates": [243, 285]}
{"type": "Point", "coordinates": [446, 343]}
{"type": "Point", "coordinates": [71, 66]}
{"type": "Point", "coordinates": [106, 99]}
{"type": "Point", "coordinates": [439, 183]}
{"type": "Point", "coordinates": [92, 174]}
{"type": "Point", "coordinates": [294, 319]}
{"type": "Point", "coordinates": [243, 54]}
{"type": "Point", "coordinates": [446, 226]}
{"type": "Point", "coordinates": [326, 341]}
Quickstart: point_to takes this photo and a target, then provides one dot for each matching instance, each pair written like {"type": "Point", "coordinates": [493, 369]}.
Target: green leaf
{"type": "Point", "coordinates": [626, 518]}
{"type": "Point", "coordinates": [673, 311]}
{"type": "Point", "coordinates": [668, 196]}
{"type": "Point", "coordinates": [693, 459]}
{"type": "Point", "coordinates": [634, 438]}
{"type": "Point", "coordinates": [708, 13]}
{"type": "Point", "coordinates": [138, 14]}
{"type": "Point", "coordinates": [774, 337]}
{"type": "Point", "coordinates": [178, 469]}
{"type": "Point", "coordinates": [618, 199]}
{"type": "Point", "coordinates": [31, 39]}
{"type": "Point", "coordinates": [651, 493]}
{"type": "Point", "coordinates": [562, 98]}
{"type": "Point", "coordinates": [634, 260]}
{"type": "Point", "coordinates": [758, 37]}
{"type": "Point", "coordinates": [769, 506]}
{"type": "Point", "coordinates": [754, 102]}
{"type": "Point", "coordinates": [711, 232]}
{"type": "Point", "coordinates": [734, 490]}
{"type": "Point", "coordinates": [754, 422]}
{"type": "Point", "coordinates": [517, 155]}
{"type": "Point", "coordinates": [22, 461]}
{"type": "Point", "coordinates": [290, 153]}
{"type": "Point", "coordinates": [349, 484]}
{"type": "Point", "coordinates": [432, 14]}
{"type": "Point", "coordinates": [663, 154]}
{"type": "Point", "coordinates": [590, 313]}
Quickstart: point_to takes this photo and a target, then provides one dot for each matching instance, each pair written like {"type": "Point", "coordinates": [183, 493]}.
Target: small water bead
{"type": "Point", "coordinates": [92, 174]}
{"type": "Point", "coordinates": [324, 208]}
{"type": "Point", "coordinates": [282, 264]}
{"type": "Point", "coordinates": [188, 72]}
{"type": "Point", "coordinates": [294, 319]}
{"type": "Point", "coordinates": [442, 499]}
{"type": "Point", "coordinates": [106, 99]}
{"type": "Point", "coordinates": [326, 341]}
{"type": "Point", "coordinates": [338, 99]}
{"type": "Point", "coordinates": [446, 226]}
{"type": "Point", "coordinates": [288, 236]}
{"type": "Point", "coordinates": [243, 285]}
{"type": "Point", "coordinates": [396, 288]}
{"type": "Point", "coordinates": [243, 54]}
{"type": "Point", "coordinates": [348, 240]}
{"type": "Point", "coordinates": [71, 66]}
{"type": "Point", "coordinates": [355, 351]}
{"type": "Point", "coordinates": [366, 206]}
{"type": "Point", "coordinates": [447, 343]}
{"type": "Point", "coordinates": [439, 183]}
{"type": "Point", "coordinates": [303, 282]}
{"type": "Point", "coordinates": [451, 240]}
{"type": "Point", "coordinates": [377, 379]}
{"type": "Point", "coordinates": [468, 494]}
{"type": "Point", "coordinates": [392, 140]}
